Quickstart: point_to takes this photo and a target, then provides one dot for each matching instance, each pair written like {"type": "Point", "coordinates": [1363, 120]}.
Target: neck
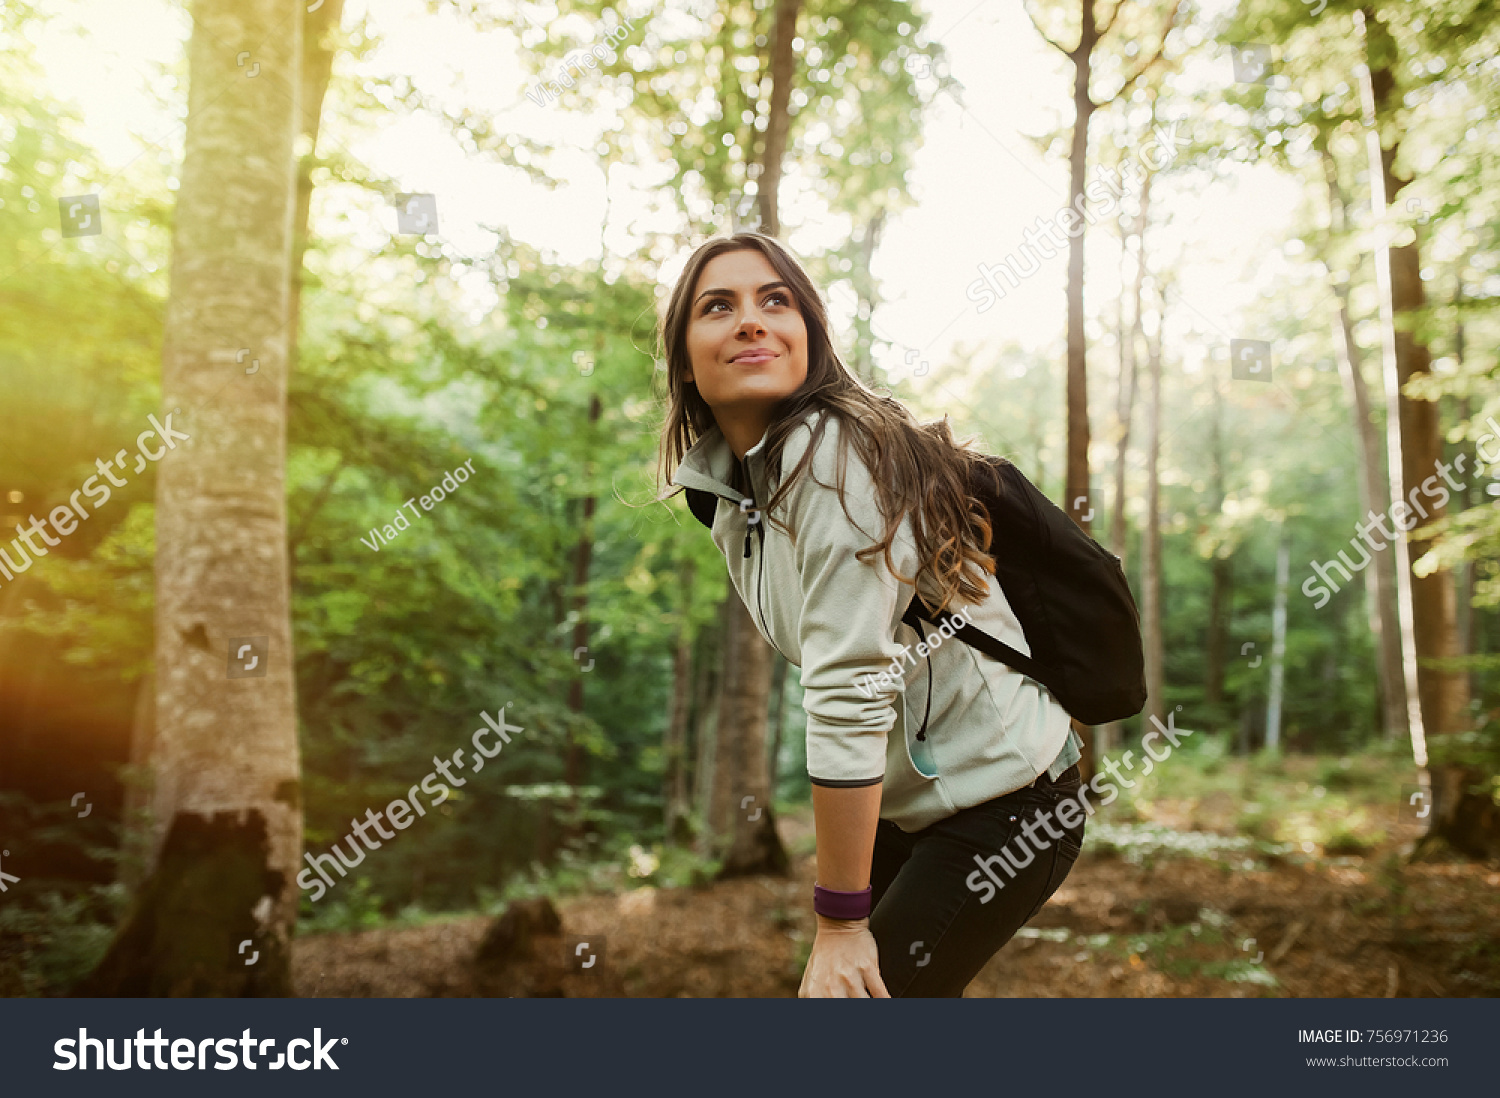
{"type": "Point", "coordinates": [742, 433]}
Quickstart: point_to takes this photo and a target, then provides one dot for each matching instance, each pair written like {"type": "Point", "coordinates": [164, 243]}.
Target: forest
{"type": "Point", "coordinates": [331, 396]}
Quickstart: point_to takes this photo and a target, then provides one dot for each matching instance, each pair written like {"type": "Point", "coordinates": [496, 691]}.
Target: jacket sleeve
{"type": "Point", "coordinates": [850, 609]}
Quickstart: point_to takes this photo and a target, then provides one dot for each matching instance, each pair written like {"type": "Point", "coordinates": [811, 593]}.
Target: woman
{"type": "Point", "coordinates": [860, 503]}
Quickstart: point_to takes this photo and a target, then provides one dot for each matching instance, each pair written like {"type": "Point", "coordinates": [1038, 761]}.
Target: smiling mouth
{"type": "Point", "coordinates": [753, 356]}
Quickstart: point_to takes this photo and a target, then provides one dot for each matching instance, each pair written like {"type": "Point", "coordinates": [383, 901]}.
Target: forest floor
{"type": "Point", "coordinates": [1161, 909]}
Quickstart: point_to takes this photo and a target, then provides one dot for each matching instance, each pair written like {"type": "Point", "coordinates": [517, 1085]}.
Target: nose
{"type": "Point", "coordinates": [750, 322]}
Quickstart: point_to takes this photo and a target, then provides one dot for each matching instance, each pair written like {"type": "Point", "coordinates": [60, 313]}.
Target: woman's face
{"type": "Point", "coordinates": [746, 342]}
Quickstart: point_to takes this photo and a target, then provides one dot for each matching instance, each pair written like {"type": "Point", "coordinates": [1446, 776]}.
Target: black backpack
{"type": "Point", "coordinates": [1068, 592]}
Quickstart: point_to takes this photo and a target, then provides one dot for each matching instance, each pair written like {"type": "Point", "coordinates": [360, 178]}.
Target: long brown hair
{"type": "Point", "coordinates": [918, 468]}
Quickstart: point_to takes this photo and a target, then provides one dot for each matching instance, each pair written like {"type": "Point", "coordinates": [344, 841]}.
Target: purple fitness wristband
{"type": "Point", "coordinates": [833, 904]}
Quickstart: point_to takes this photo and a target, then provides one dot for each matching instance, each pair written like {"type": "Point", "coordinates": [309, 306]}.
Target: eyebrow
{"type": "Point", "coordinates": [720, 291]}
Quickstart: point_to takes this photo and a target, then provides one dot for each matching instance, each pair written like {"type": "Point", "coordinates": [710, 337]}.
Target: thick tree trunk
{"type": "Point", "coordinates": [778, 718]}
{"type": "Point", "coordinates": [739, 810]}
{"type": "Point", "coordinates": [227, 795]}
{"type": "Point", "coordinates": [1415, 438]}
{"type": "Point", "coordinates": [741, 828]}
{"type": "Point", "coordinates": [676, 805]}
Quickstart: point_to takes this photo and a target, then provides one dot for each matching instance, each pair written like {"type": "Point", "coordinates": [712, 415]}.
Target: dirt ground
{"type": "Point", "coordinates": [1177, 926]}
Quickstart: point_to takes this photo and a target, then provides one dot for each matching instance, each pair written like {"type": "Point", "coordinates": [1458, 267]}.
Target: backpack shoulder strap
{"type": "Point", "coordinates": [918, 611]}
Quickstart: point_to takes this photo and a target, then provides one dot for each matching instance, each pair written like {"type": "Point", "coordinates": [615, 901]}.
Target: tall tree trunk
{"type": "Point", "coordinates": [1220, 594]}
{"type": "Point", "coordinates": [674, 749]}
{"type": "Point", "coordinates": [778, 119]}
{"type": "Point", "coordinates": [317, 71]}
{"type": "Point", "coordinates": [864, 288]}
{"type": "Point", "coordinates": [711, 648]}
{"type": "Point", "coordinates": [1462, 813]}
{"type": "Point", "coordinates": [583, 555]}
{"type": "Point", "coordinates": [1125, 404]}
{"type": "Point", "coordinates": [1391, 347]}
{"type": "Point", "coordinates": [741, 825]}
{"type": "Point", "coordinates": [1076, 486]}
{"type": "Point", "coordinates": [1443, 693]}
{"type": "Point", "coordinates": [227, 793]}
{"type": "Point", "coordinates": [1111, 735]}
{"type": "Point", "coordinates": [1380, 580]}
{"type": "Point", "coordinates": [1151, 594]}
{"type": "Point", "coordinates": [739, 810]}
{"type": "Point", "coordinates": [778, 718]}
{"type": "Point", "coordinates": [1278, 643]}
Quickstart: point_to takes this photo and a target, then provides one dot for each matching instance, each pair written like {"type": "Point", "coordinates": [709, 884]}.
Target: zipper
{"type": "Point", "coordinates": [760, 579]}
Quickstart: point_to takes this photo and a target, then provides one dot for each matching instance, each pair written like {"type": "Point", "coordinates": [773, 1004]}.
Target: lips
{"type": "Point", "coordinates": [759, 354]}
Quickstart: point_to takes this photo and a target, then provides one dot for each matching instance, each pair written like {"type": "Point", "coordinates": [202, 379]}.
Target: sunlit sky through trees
{"type": "Point", "coordinates": [979, 179]}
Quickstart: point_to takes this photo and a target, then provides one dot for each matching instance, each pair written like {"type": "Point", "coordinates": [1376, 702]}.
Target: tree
{"type": "Point", "coordinates": [1151, 584]}
{"type": "Point", "coordinates": [1091, 32]}
{"type": "Point", "coordinates": [1380, 580]}
{"type": "Point", "coordinates": [1437, 698]}
{"type": "Point", "coordinates": [227, 798]}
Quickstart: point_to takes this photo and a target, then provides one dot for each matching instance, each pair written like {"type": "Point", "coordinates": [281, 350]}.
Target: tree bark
{"type": "Point", "coordinates": [1221, 589]}
{"type": "Point", "coordinates": [778, 120]}
{"type": "Point", "coordinates": [582, 559]}
{"type": "Point", "coordinates": [1415, 436]}
{"type": "Point", "coordinates": [711, 647]}
{"type": "Point", "coordinates": [1278, 644]}
{"type": "Point", "coordinates": [1111, 735]}
{"type": "Point", "coordinates": [778, 719]}
{"type": "Point", "coordinates": [674, 749]}
{"type": "Point", "coordinates": [741, 825]}
{"type": "Point", "coordinates": [1380, 579]}
{"type": "Point", "coordinates": [1076, 484]}
{"type": "Point", "coordinates": [739, 811]}
{"type": "Point", "coordinates": [227, 794]}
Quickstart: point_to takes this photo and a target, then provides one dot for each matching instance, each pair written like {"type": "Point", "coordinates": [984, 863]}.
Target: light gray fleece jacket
{"type": "Point", "coordinates": [991, 730]}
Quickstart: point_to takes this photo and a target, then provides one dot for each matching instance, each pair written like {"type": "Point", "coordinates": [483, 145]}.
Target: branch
{"type": "Point", "coordinates": [1147, 65]}
{"type": "Point", "coordinates": [1119, 5]}
{"type": "Point", "coordinates": [1044, 36]}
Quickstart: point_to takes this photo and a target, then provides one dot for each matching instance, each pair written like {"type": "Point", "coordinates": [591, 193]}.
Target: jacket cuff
{"type": "Point", "coordinates": [846, 783]}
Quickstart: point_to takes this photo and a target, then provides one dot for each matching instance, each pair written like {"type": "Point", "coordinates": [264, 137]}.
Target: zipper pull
{"type": "Point", "coordinates": [747, 507]}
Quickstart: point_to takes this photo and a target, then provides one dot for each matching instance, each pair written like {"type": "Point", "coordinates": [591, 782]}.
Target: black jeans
{"type": "Point", "coordinates": [934, 931]}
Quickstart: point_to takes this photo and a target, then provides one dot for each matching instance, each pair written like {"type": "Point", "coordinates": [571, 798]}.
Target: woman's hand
{"type": "Point", "coordinates": [845, 963]}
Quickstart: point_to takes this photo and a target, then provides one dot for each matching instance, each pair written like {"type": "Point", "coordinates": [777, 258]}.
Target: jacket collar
{"type": "Point", "coordinates": [709, 465]}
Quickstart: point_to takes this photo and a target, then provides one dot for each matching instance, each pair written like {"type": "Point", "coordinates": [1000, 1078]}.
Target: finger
{"type": "Point", "coordinates": [876, 984]}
